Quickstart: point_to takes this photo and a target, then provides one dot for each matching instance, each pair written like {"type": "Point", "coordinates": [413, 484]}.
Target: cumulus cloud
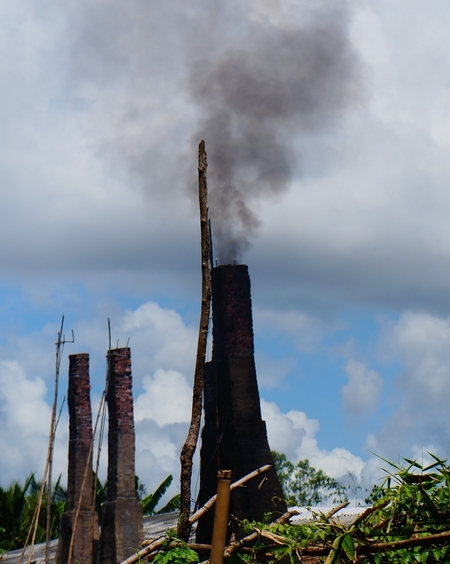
{"type": "Point", "coordinates": [98, 161]}
{"type": "Point", "coordinates": [166, 398]}
{"type": "Point", "coordinates": [25, 422]}
{"type": "Point", "coordinates": [159, 338]}
{"type": "Point", "coordinates": [162, 354]}
{"type": "Point", "coordinates": [162, 346]}
{"type": "Point", "coordinates": [362, 392]}
{"type": "Point", "coordinates": [419, 419]}
{"type": "Point", "coordinates": [293, 433]}
{"type": "Point", "coordinates": [97, 151]}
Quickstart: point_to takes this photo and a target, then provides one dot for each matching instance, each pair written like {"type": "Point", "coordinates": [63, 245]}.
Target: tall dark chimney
{"type": "Point", "coordinates": [234, 436]}
{"type": "Point", "coordinates": [122, 533]}
{"type": "Point", "coordinates": [79, 520]}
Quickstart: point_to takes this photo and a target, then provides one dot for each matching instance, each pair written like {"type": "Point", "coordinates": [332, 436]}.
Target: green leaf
{"type": "Point", "coordinates": [348, 546]}
{"type": "Point", "coordinates": [429, 503]}
{"type": "Point", "coordinates": [439, 460]}
{"type": "Point", "coordinates": [333, 555]}
{"type": "Point", "coordinates": [178, 555]}
{"type": "Point", "coordinates": [173, 504]}
{"type": "Point", "coordinates": [150, 502]}
{"type": "Point", "coordinates": [237, 558]}
{"type": "Point", "coordinates": [413, 463]}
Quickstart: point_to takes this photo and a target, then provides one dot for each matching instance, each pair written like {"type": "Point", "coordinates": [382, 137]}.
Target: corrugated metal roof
{"type": "Point", "coordinates": [154, 526]}
{"type": "Point", "coordinates": [345, 515]}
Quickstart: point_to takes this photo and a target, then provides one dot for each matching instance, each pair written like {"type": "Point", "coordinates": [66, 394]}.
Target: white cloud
{"type": "Point", "coordinates": [294, 434]}
{"type": "Point", "coordinates": [159, 339]}
{"type": "Point", "coordinates": [158, 452]}
{"type": "Point", "coordinates": [163, 354]}
{"type": "Point", "coordinates": [419, 418]}
{"type": "Point", "coordinates": [90, 196]}
{"type": "Point", "coordinates": [169, 341]}
{"type": "Point", "coordinates": [89, 192]}
{"type": "Point", "coordinates": [167, 398]}
{"type": "Point", "coordinates": [25, 423]}
{"type": "Point", "coordinates": [362, 392]}
{"type": "Point", "coordinates": [22, 400]}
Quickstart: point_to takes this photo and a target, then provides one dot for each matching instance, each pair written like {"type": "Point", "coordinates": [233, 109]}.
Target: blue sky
{"type": "Point", "coordinates": [327, 130]}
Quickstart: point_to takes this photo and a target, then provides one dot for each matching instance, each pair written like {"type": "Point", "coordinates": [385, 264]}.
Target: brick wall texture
{"type": "Point", "coordinates": [121, 532]}
{"type": "Point", "coordinates": [84, 526]}
{"type": "Point", "coordinates": [234, 436]}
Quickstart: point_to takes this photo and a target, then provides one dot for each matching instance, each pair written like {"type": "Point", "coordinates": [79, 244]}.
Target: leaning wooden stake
{"type": "Point", "coordinates": [188, 450]}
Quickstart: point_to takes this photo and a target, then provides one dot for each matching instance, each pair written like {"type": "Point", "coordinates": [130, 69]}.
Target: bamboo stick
{"type": "Point", "coordinates": [219, 535]}
{"type": "Point", "coordinates": [51, 441]}
{"type": "Point", "coordinates": [196, 516]}
{"type": "Point", "coordinates": [157, 543]}
{"type": "Point", "coordinates": [235, 547]}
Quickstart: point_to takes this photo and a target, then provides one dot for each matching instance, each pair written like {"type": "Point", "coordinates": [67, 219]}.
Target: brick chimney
{"type": "Point", "coordinates": [234, 436]}
{"type": "Point", "coordinates": [121, 532]}
{"type": "Point", "coordinates": [79, 482]}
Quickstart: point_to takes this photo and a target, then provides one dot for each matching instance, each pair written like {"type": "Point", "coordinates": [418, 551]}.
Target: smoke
{"type": "Point", "coordinates": [256, 99]}
{"type": "Point", "coordinates": [250, 77]}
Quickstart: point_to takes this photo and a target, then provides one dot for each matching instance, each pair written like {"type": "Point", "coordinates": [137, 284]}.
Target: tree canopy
{"type": "Point", "coordinates": [305, 486]}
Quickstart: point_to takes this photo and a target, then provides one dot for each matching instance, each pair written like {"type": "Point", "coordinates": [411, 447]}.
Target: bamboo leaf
{"type": "Point", "coordinates": [428, 501]}
{"type": "Point", "coordinates": [413, 463]}
{"type": "Point", "coordinates": [386, 460]}
{"type": "Point", "coordinates": [333, 555]}
{"type": "Point", "coordinates": [434, 465]}
{"type": "Point", "coordinates": [436, 458]}
{"type": "Point", "coordinates": [348, 546]}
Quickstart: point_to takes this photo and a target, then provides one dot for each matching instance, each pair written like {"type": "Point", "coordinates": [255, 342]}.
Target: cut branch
{"type": "Point", "coordinates": [364, 550]}
{"type": "Point", "coordinates": [151, 546]}
{"type": "Point", "coordinates": [196, 516]}
{"type": "Point", "coordinates": [237, 546]}
{"type": "Point", "coordinates": [188, 450]}
{"type": "Point", "coordinates": [333, 511]}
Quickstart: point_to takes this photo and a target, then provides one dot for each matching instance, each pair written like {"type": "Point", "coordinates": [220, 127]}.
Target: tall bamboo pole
{"type": "Point", "coordinates": [188, 450]}
{"type": "Point", "coordinates": [219, 535]}
{"type": "Point", "coordinates": [51, 441]}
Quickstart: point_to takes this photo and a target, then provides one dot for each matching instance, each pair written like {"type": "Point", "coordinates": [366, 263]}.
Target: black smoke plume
{"type": "Point", "coordinates": [255, 100]}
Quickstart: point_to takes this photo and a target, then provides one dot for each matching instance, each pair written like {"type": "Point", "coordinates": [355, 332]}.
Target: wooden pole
{"type": "Point", "coordinates": [188, 450]}
{"type": "Point", "coordinates": [151, 546]}
{"type": "Point", "coordinates": [51, 441]}
{"type": "Point", "coordinates": [196, 516]}
{"type": "Point", "coordinates": [220, 527]}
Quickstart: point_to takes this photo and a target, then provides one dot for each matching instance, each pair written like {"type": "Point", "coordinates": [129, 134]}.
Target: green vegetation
{"type": "Point", "coordinates": [181, 554]}
{"type": "Point", "coordinates": [18, 504]}
{"type": "Point", "coordinates": [305, 486]}
{"type": "Point", "coordinates": [150, 502]}
{"type": "Point", "coordinates": [408, 523]}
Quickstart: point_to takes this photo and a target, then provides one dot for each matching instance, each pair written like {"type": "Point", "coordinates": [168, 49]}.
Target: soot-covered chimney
{"type": "Point", "coordinates": [234, 436]}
